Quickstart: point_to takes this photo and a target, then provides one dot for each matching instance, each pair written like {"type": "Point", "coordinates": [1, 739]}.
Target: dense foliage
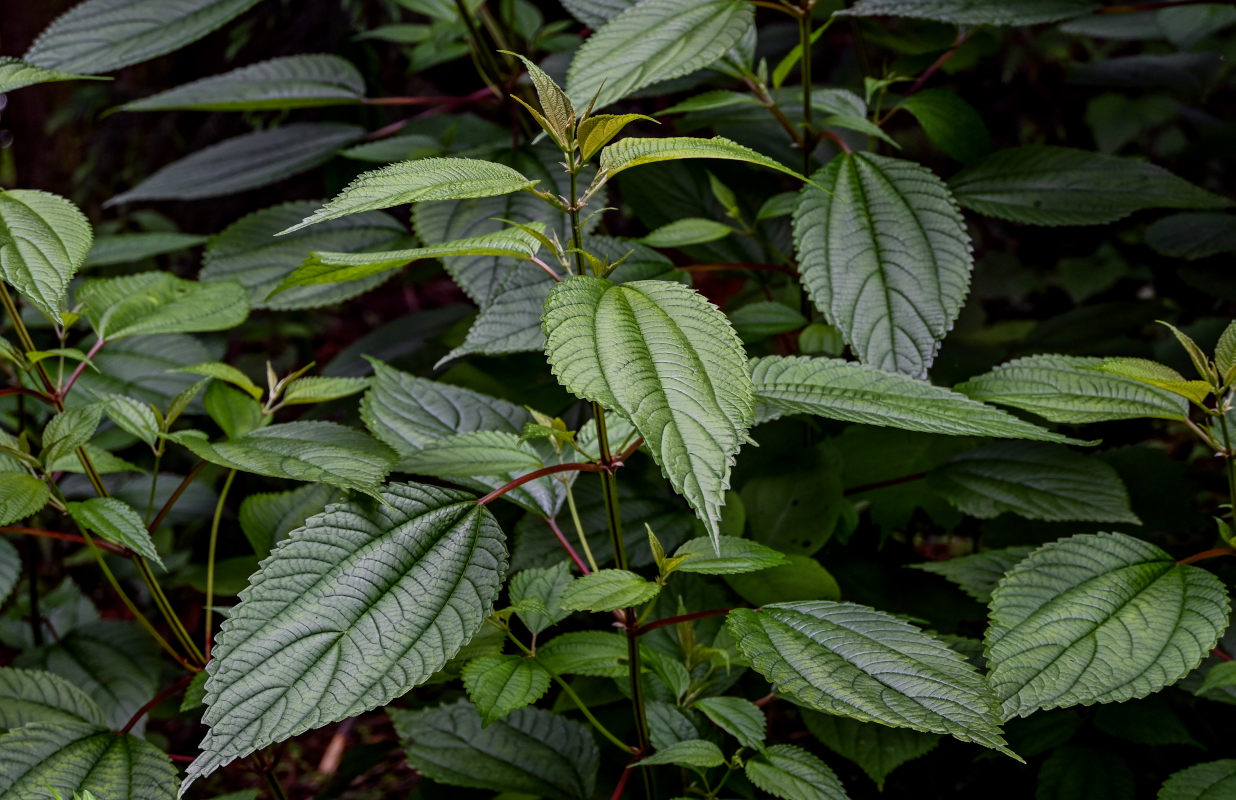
{"type": "Point", "coordinates": [661, 398]}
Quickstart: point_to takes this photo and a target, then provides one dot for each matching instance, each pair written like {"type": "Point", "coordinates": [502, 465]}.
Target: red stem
{"type": "Point", "coordinates": [80, 368]}
{"type": "Point", "coordinates": [68, 537]}
{"type": "Point", "coordinates": [630, 451]}
{"type": "Point", "coordinates": [171, 501]}
{"type": "Point", "coordinates": [661, 623]}
{"type": "Point", "coordinates": [441, 100]}
{"type": "Point", "coordinates": [566, 545]}
{"type": "Point", "coordinates": [540, 473]}
{"type": "Point", "coordinates": [1222, 656]}
{"type": "Point", "coordinates": [154, 701]}
{"type": "Point", "coordinates": [765, 700]}
{"type": "Point", "coordinates": [837, 140]}
{"type": "Point", "coordinates": [736, 266]}
{"type": "Point", "coordinates": [1205, 554]}
{"type": "Point", "coordinates": [622, 783]}
{"type": "Point", "coordinates": [27, 392]}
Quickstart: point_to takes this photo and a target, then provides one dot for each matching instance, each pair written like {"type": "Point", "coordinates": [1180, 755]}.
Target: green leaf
{"type": "Point", "coordinates": [800, 578]}
{"type": "Point", "coordinates": [126, 248]}
{"type": "Point", "coordinates": [599, 654]}
{"type": "Point", "coordinates": [885, 256]}
{"type": "Point", "coordinates": [416, 181]}
{"type": "Point", "coordinates": [544, 586]}
{"type": "Point", "coordinates": [21, 495]}
{"type": "Point", "coordinates": [976, 12]}
{"type": "Point", "coordinates": [764, 318]}
{"type": "Point", "coordinates": [1219, 676]}
{"type": "Point", "coordinates": [132, 416]}
{"type": "Point", "coordinates": [138, 367]}
{"type": "Point", "coordinates": [596, 132]}
{"type": "Point", "coordinates": [474, 454]}
{"type": "Point", "coordinates": [321, 452]}
{"type": "Point", "coordinates": [69, 430]}
{"type": "Point", "coordinates": [226, 373]}
{"type": "Point", "coordinates": [654, 41]}
{"type": "Point", "coordinates": [531, 751]}
{"type": "Point", "coordinates": [726, 555]}
{"type": "Point", "coordinates": [288, 82]}
{"type": "Point", "coordinates": [1042, 185]}
{"type": "Point", "coordinates": [696, 753]}
{"type": "Point", "coordinates": [28, 696]}
{"type": "Point", "coordinates": [792, 773]}
{"type": "Point", "coordinates": [117, 522]}
{"type": "Point", "coordinates": [951, 123]}
{"type": "Point", "coordinates": [877, 749]}
{"type": "Point", "coordinates": [17, 74]}
{"type": "Point", "coordinates": [608, 590]}
{"type": "Point", "coordinates": [595, 13]}
{"type": "Point", "coordinates": [105, 35]}
{"type": "Point", "coordinates": [1098, 618]}
{"type": "Point", "coordinates": [687, 231]}
{"type": "Point", "coordinates": [1213, 780]}
{"type": "Point", "coordinates": [1033, 480]}
{"type": "Point", "coordinates": [10, 565]}
{"type": "Point", "coordinates": [499, 684]}
{"type": "Point", "coordinates": [1155, 374]}
{"type": "Point", "coordinates": [1081, 772]}
{"type": "Point", "coordinates": [853, 392]}
{"type": "Point", "coordinates": [742, 719]}
{"type": "Point", "coordinates": [267, 519]}
{"type": "Point", "coordinates": [44, 239]}
{"type": "Point", "coordinates": [296, 653]}
{"type": "Point", "coordinates": [977, 574]}
{"type": "Point", "coordinates": [632, 152]}
{"type": "Point", "coordinates": [668, 360]}
{"type": "Point", "coordinates": [1193, 235]}
{"type": "Point", "coordinates": [159, 302]}
{"type": "Point", "coordinates": [857, 662]}
{"type": "Point", "coordinates": [557, 108]}
{"type": "Point", "coordinates": [70, 757]}
{"type": "Point", "coordinates": [316, 389]}
{"type": "Point", "coordinates": [245, 162]}
{"type": "Point", "coordinates": [1067, 389]}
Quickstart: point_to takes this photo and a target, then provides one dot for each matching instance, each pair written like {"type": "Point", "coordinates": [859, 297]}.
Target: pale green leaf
{"type": "Point", "coordinates": [742, 719]}
{"type": "Point", "coordinates": [416, 181]}
{"type": "Point", "coordinates": [596, 132]}
{"type": "Point", "coordinates": [857, 662]}
{"type": "Point", "coordinates": [234, 412]}
{"type": "Point", "coordinates": [1066, 389]}
{"type": "Point", "coordinates": [696, 753]}
{"type": "Point", "coordinates": [126, 248]}
{"type": "Point", "coordinates": [668, 360]}
{"type": "Point", "coordinates": [977, 574]}
{"type": "Point", "coordinates": [316, 389]}
{"type": "Point", "coordinates": [1155, 374]}
{"type": "Point", "coordinates": [977, 12]}
{"type": "Point", "coordinates": [654, 41]}
{"type": "Point", "coordinates": [687, 231]}
{"type": "Point", "coordinates": [1098, 618]}
{"type": "Point", "coordinates": [951, 123]}
{"type": "Point", "coordinates": [531, 751]}
{"type": "Point", "coordinates": [555, 106]}
{"type": "Point", "coordinates": [17, 74]}
{"type": "Point", "coordinates": [608, 590]}
{"type": "Point", "coordinates": [70, 757]}
{"type": "Point", "coordinates": [297, 653]}
{"type": "Point", "coordinates": [105, 35]}
{"type": "Point", "coordinates": [320, 452]}
{"type": "Point", "coordinates": [267, 519]}
{"type": "Point", "coordinates": [159, 302]}
{"type": "Point", "coordinates": [473, 454]}
{"type": "Point", "coordinates": [132, 416]}
{"type": "Point", "coordinates": [288, 82]}
{"type": "Point", "coordinates": [1193, 235]}
{"type": "Point", "coordinates": [117, 522]}
{"type": "Point", "coordinates": [226, 373]}
{"type": "Point", "coordinates": [1043, 185]}
{"type": "Point", "coordinates": [44, 240]}
{"type": "Point", "coordinates": [543, 586]}
{"type": "Point", "coordinates": [32, 696]}
{"type": "Point", "coordinates": [600, 654]}
{"type": "Point", "coordinates": [1214, 780]}
{"type": "Point", "coordinates": [884, 254]}
{"type": "Point", "coordinates": [877, 749]}
{"type": "Point", "coordinates": [21, 495]}
{"type": "Point", "coordinates": [499, 684]}
{"type": "Point", "coordinates": [632, 152]}
{"type": "Point", "coordinates": [595, 13]}
{"type": "Point", "coordinates": [69, 430]}
{"type": "Point", "coordinates": [791, 773]}
{"type": "Point", "coordinates": [10, 566]}
{"type": "Point", "coordinates": [727, 555]}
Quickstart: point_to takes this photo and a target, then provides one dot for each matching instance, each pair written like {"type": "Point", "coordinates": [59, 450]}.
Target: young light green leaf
{"type": "Point", "coordinates": [599, 654]}
{"type": "Point", "coordinates": [632, 152]}
{"type": "Point", "coordinates": [71, 757]}
{"type": "Point", "coordinates": [608, 590]}
{"type": "Point", "coordinates": [1042, 185]}
{"type": "Point", "coordinates": [159, 302]}
{"type": "Point", "coordinates": [44, 239]}
{"type": "Point", "coordinates": [545, 586]}
{"type": "Point", "coordinates": [499, 684]}
{"type": "Point", "coordinates": [556, 107]}
{"type": "Point", "coordinates": [473, 454]}
{"type": "Point", "coordinates": [69, 430]}
{"type": "Point", "coordinates": [1193, 235]}
{"type": "Point", "coordinates": [531, 751]}
{"type": "Point", "coordinates": [234, 412]}
{"type": "Point", "coordinates": [126, 248]}
{"type": "Point", "coordinates": [323, 656]}
{"type": "Point", "coordinates": [17, 74]}
{"type": "Point", "coordinates": [877, 749]}
{"type": "Point", "coordinates": [857, 662]}
{"type": "Point", "coordinates": [668, 360]}
{"type": "Point", "coordinates": [316, 389]}
{"type": "Point", "coordinates": [226, 373]}
{"type": "Point", "coordinates": [28, 696]}
{"type": "Point", "coordinates": [687, 231]}
{"type": "Point", "coordinates": [21, 495]}
{"type": "Point", "coordinates": [951, 123]}
{"type": "Point", "coordinates": [742, 719]}
{"type": "Point", "coordinates": [727, 555]}
{"type": "Point", "coordinates": [596, 132]}
{"type": "Point", "coordinates": [976, 12]}
{"type": "Point", "coordinates": [792, 773]}
{"type": "Point", "coordinates": [117, 522]}
{"type": "Point", "coordinates": [288, 82]}
{"type": "Point", "coordinates": [1098, 618]}
{"type": "Point", "coordinates": [105, 35]}
{"type": "Point", "coordinates": [885, 256]}
{"type": "Point", "coordinates": [416, 181]}
{"type": "Point", "coordinates": [654, 41]}
{"type": "Point", "coordinates": [1069, 389]}
{"type": "Point", "coordinates": [694, 753]}
{"type": "Point", "coordinates": [1212, 780]}
{"type": "Point", "coordinates": [1155, 374]}
{"type": "Point", "coordinates": [977, 574]}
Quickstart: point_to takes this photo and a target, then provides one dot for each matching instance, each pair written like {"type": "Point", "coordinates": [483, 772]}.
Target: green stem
{"type": "Point", "coordinates": [1229, 457]}
{"type": "Point", "coordinates": [166, 609]}
{"type": "Point", "coordinates": [804, 39]}
{"type": "Point", "coordinates": [154, 484]}
{"type": "Point", "coordinates": [210, 556]}
{"type": "Point", "coordinates": [576, 238]}
{"type": "Point", "coordinates": [579, 528]}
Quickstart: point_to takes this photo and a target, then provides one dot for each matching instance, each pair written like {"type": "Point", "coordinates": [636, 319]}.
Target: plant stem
{"type": "Point", "coordinates": [32, 583]}
{"type": "Point", "coordinates": [94, 351]}
{"type": "Point", "coordinates": [21, 390]}
{"type": "Point", "coordinates": [566, 545]}
{"type": "Point", "coordinates": [622, 783]}
{"type": "Point", "coordinates": [540, 473]}
{"type": "Point", "coordinates": [68, 537]}
{"type": "Point", "coordinates": [804, 40]}
{"type": "Point", "coordinates": [158, 698]}
{"type": "Point", "coordinates": [175, 495]}
{"type": "Point", "coordinates": [1205, 554]}
{"type": "Point", "coordinates": [166, 609]}
{"type": "Point", "coordinates": [579, 528]}
{"type": "Point", "coordinates": [939, 62]}
{"type": "Point", "coordinates": [1229, 467]}
{"type": "Point", "coordinates": [268, 772]}
{"type": "Point", "coordinates": [661, 623]}
{"type": "Point", "coordinates": [867, 487]}
{"type": "Point", "coordinates": [210, 557]}
{"type": "Point", "coordinates": [576, 242]}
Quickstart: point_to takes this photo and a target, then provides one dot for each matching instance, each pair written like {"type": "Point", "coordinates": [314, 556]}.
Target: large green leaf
{"type": "Point", "coordinates": [884, 253]}
{"type": "Point", "coordinates": [792, 773]}
{"type": "Point", "coordinates": [854, 392]}
{"type": "Point", "coordinates": [1213, 780]}
{"type": "Point", "coordinates": [1066, 389]}
{"type": "Point", "coordinates": [1033, 480]}
{"type": "Point", "coordinates": [245, 162]}
{"type": "Point", "coordinates": [531, 751]}
{"type": "Point", "coordinates": [105, 35]}
{"type": "Point", "coordinates": [1042, 185]}
{"type": "Point", "coordinates": [653, 41]}
{"type": "Point", "coordinates": [32, 696]}
{"type": "Point", "coordinates": [321, 452]}
{"type": "Point", "coordinates": [17, 74]}
{"type": "Point", "coordinates": [977, 574]}
{"type": "Point", "coordinates": [116, 521]}
{"type": "Point", "coordinates": [43, 241]}
{"type": "Point", "coordinates": [877, 749]}
{"type": "Point", "coordinates": [248, 251]}
{"type": "Point", "coordinates": [1098, 618]}
{"type": "Point", "coordinates": [71, 757]}
{"type": "Point", "coordinates": [159, 302]}
{"type": "Point", "coordinates": [977, 12]}
{"type": "Point", "coordinates": [21, 495]}
{"type": "Point", "coordinates": [857, 662]}
{"type": "Point", "coordinates": [499, 684]}
{"type": "Point", "coordinates": [608, 590]}
{"type": "Point", "coordinates": [415, 181]}
{"type": "Point", "coordinates": [473, 454]}
{"type": "Point", "coordinates": [288, 82]}
{"type": "Point", "coordinates": [668, 360]}
{"type": "Point", "coordinates": [633, 152]}
{"type": "Point", "coordinates": [312, 641]}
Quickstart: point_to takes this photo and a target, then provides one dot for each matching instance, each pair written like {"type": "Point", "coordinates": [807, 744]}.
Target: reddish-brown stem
{"type": "Point", "coordinates": [546, 268]}
{"type": "Point", "coordinates": [27, 392]}
{"type": "Point", "coordinates": [1219, 654]}
{"type": "Point", "coordinates": [939, 62]}
{"type": "Point", "coordinates": [540, 473]}
{"type": "Point", "coordinates": [1205, 554]}
{"type": "Point", "coordinates": [773, 109]}
{"type": "Point", "coordinates": [837, 140]}
{"type": "Point", "coordinates": [622, 783]}
{"type": "Point", "coordinates": [630, 451]}
{"type": "Point", "coordinates": [386, 130]}
{"type": "Point", "coordinates": [566, 545]}
{"type": "Point", "coordinates": [765, 700]}
{"type": "Point", "coordinates": [81, 368]}
{"type": "Point", "coordinates": [736, 266]}
{"type": "Point", "coordinates": [181, 759]}
{"type": "Point", "coordinates": [171, 501]}
{"type": "Point", "coordinates": [661, 623]}
{"type": "Point", "coordinates": [68, 537]}
{"type": "Point", "coordinates": [867, 487]}
{"type": "Point", "coordinates": [154, 701]}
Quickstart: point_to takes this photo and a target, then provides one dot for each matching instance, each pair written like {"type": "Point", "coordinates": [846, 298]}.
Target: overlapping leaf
{"type": "Point", "coordinates": [70, 757]}
{"type": "Point", "coordinates": [17, 74]}
{"type": "Point", "coordinates": [977, 574]}
{"type": "Point", "coordinates": [634, 152]}
{"type": "Point", "coordinates": [877, 749]}
{"type": "Point", "coordinates": [117, 522]}
{"type": "Point", "coordinates": [977, 12]}
{"type": "Point", "coordinates": [500, 684]}
{"type": "Point", "coordinates": [792, 773]}
{"type": "Point", "coordinates": [28, 696]}
{"type": "Point", "coordinates": [288, 82]}
{"type": "Point", "coordinates": [21, 495]}
{"type": "Point", "coordinates": [159, 302]}
{"type": "Point", "coordinates": [44, 239]}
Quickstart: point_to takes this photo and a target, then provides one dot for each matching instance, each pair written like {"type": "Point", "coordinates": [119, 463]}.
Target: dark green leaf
{"type": "Point", "coordinates": [499, 684]}
{"type": "Point", "coordinates": [159, 302]}
{"type": "Point", "coordinates": [70, 757]}
{"type": "Point", "coordinates": [288, 82]}
{"type": "Point", "coordinates": [792, 773]}
{"type": "Point", "coordinates": [31, 696]}
{"type": "Point", "coordinates": [977, 12]}
{"type": "Point", "coordinates": [877, 749]}
{"type": "Point", "coordinates": [44, 240]}
{"type": "Point", "coordinates": [978, 574]}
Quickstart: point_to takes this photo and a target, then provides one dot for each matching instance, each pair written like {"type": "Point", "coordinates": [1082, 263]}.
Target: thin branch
{"type": "Point", "coordinates": [1205, 554]}
{"type": "Point", "coordinates": [1219, 654]}
{"type": "Point", "coordinates": [540, 473]}
{"type": "Point", "coordinates": [868, 487]}
{"type": "Point", "coordinates": [81, 368]}
{"type": "Point", "coordinates": [68, 537]}
{"type": "Point", "coordinates": [547, 268]}
{"type": "Point", "coordinates": [622, 783]}
{"type": "Point", "coordinates": [939, 62]}
{"type": "Point", "coordinates": [640, 630]}
{"type": "Point", "coordinates": [837, 140]}
{"type": "Point", "coordinates": [156, 700]}
{"type": "Point", "coordinates": [765, 700]}
{"type": "Point", "coordinates": [566, 545]}
{"type": "Point", "coordinates": [625, 455]}
{"type": "Point", "coordinates": [736, 266]}
{"type": "Point", "coordinates": [28, 392]}
{"type": "Point", "coordinates": [171, 500]}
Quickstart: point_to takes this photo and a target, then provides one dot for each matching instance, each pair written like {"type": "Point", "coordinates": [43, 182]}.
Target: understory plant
{"type": "Point", "coordinates": [609, 434]}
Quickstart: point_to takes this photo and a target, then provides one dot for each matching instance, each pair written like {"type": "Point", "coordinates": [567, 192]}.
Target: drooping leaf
{"type": "Point", "coordinates": [653, 41]}
{"type": "Point", "coordinates": [531, 751]}
{"type": "Point", "coordinates": [951, 123]}
{"type": "Point", "coordinates": [288, 82]}
{"type": "Point", "coordinates": [877, 749]}
{"type": "Point", "coordinates": [1213, 780]}
{"type": "Point", "coordinates": [1098, 618]}
{"type": "Point", "coordinates": [298, 652]}
{"type": "Point", "coordinates": [1193, 235]}
{"type": "Point", "coordinates": [1043, 185]}
{"type": "Point", "coordinates": [21, 495]}
{"type": "Point", "coordinates": [117, 522]}
{"type": "Point", "coordinates": [727, 555]}
{"type": "Point", "coordinates": [633, 152]}
{"type": "Point", "coordinates": [1063, 389]}
{"type": "Point", "coordinates": [226, 373]}
{"type": "Point", "coordinates": [28, 696]}
{"type": "Point", "coordinates": [976, 12]}
{"type": "Point", "coordinates": [132, 416]}
{"type": "Point", "coordinates": [857, 662]}
{"type": "Point", "coordinates": [977, 574]}
{"type": "Point", "coordinates": [159, 302]}
{"type": "Point", "coordinates": [44, 239]}
{"type": "Point", "coordinates": [71, 757]}
{"type": "Point", "coordinates": [499, 684]}
{"type": "Point", "coordinates": [17, 74]}
{"type": "Point", "coordinates": [542, 586]}
{"type": "Point", "coordinates": [245, 162]}
{"type": "Point", "coordinates": [792, 773]}
{"type": "Point", "coordinates": [125, 248]}
{"type": "Point", "coordinates": [607, 590]}
{"type": "Point", "coordinates": [885, 255]}
{"type": "Point", "coordinates": [668, 360]}
{"type": "Point", "coordinates": [1219, 676]}
{"type": "Point", "coordinates": [697, 753]}
{"type": "Point", "coordinates": [740, 718]}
